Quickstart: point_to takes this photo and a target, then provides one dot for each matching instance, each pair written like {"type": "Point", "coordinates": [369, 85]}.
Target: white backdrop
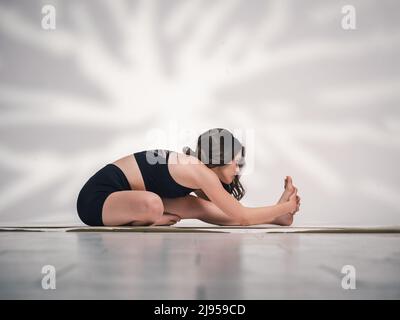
{"type": "Point", "coordinates": [317, 102]}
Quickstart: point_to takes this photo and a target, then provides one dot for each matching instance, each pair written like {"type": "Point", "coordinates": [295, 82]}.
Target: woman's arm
{"type": "Point", "coordinates": [209, 183]}
{"type": "Point", "coordinates": [201, 195]}
{"type": "Point", "coordinates": [209, 212]}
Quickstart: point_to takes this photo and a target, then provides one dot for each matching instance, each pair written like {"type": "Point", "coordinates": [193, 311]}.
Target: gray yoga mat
{"type": "Point", "coordinates": [205, 229]}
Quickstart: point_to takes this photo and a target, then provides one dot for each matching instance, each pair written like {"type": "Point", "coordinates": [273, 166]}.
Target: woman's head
{"type": "Point", "coordinates": [220, 151]}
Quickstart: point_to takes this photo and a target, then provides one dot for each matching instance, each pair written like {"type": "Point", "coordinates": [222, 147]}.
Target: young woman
{"type": "Point", "coordinates": [153, 187]}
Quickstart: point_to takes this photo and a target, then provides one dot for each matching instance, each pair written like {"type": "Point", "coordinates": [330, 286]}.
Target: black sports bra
{"type": "Point", "coordinates": [153, 165]}
{"type": "Point", "coordinates": [156, 176]}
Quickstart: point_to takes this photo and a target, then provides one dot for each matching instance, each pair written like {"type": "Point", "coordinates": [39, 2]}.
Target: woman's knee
{"type": "Point", "coordinates": [153, 206]}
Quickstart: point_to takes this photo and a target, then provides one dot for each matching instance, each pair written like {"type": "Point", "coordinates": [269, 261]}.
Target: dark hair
{"type": "Point", "coordinates": [217, 147]}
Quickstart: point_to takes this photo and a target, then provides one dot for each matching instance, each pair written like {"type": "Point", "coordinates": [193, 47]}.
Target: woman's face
{"type": "Point", "coordinates": [228, 172]}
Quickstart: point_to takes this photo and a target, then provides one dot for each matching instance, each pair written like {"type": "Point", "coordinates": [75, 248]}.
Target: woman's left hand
{"type": "Point", "coordinates": [167, 219]}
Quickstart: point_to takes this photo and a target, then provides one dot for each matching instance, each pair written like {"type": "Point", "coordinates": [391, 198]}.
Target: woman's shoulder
{"type": "Point", "coordinates": [184, 169]}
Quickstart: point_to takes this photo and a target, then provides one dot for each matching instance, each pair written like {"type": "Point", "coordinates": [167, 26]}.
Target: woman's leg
{"type": "Point", "coordinates": [136, 208]}
{"type": "Point", "coordinates": [192, 207]}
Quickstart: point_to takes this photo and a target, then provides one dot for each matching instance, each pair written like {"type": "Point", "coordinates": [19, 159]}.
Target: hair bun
{"type": "Point", "coordinates": [188, 151]}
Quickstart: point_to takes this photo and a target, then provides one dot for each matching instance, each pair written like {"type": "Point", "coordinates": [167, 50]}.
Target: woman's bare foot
{"type": "Point", "coordinates": [286, 219]}
{"type": "Point", "coordinates": [289, 189]}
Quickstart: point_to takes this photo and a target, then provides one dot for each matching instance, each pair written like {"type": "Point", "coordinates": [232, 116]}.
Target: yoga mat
{"type": "Point", "coordinates": [207, 229]}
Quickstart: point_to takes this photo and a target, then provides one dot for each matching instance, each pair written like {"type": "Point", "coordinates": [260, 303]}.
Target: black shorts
{"type": "Point", "coordinates": [93, 194]}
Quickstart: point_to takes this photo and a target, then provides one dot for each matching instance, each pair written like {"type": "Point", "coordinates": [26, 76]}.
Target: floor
{"type": "Point", "coordinates": [142, 265]}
